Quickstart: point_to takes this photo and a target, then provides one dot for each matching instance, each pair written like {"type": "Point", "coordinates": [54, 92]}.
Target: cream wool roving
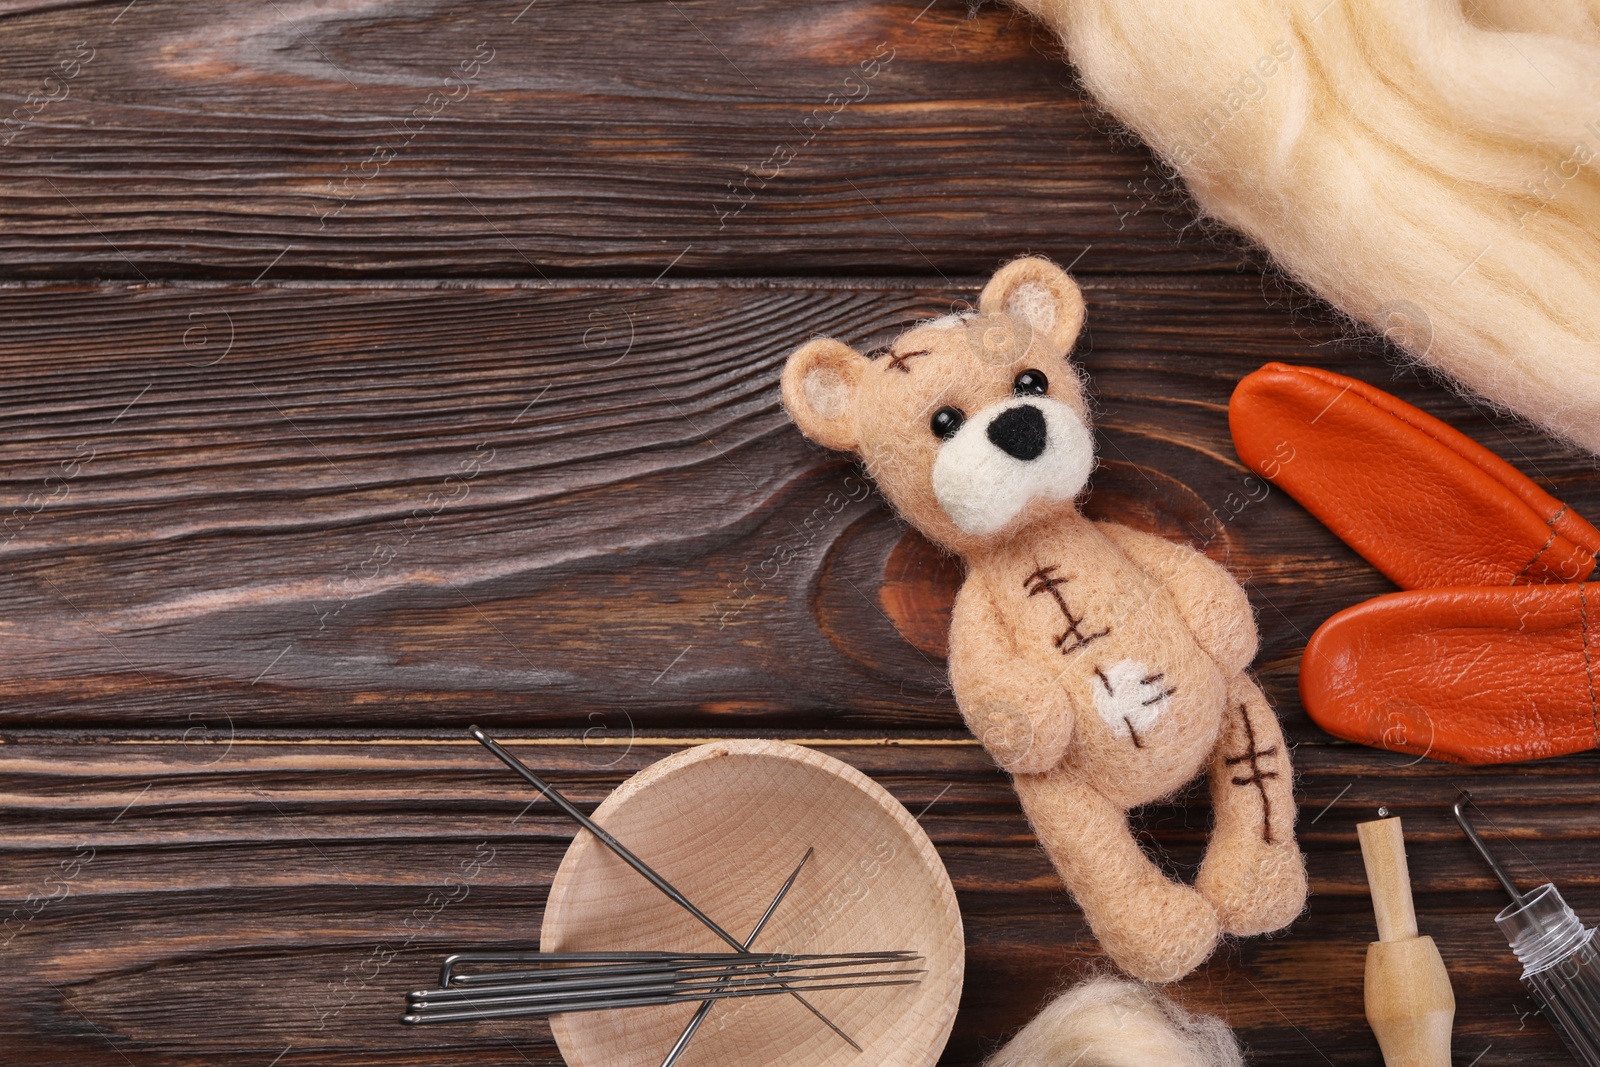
{"type": "Point", "coordinates": [1103, 667]}
{"type": "Point", "coordinates": [1430, 167]}
{"type": "Point", "coordinates": [1107, 1023]}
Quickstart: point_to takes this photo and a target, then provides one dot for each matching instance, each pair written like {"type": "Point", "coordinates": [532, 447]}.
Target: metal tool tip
{"type": "Point", "coordinates": [1462, 799]}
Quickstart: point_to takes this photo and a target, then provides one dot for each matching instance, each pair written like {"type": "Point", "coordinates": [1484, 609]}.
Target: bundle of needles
{"type": "Point", "coordinates": [596, 981]}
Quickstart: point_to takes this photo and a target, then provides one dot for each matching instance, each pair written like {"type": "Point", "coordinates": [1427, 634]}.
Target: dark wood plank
{"type": "Point", "coordinates": [313, 506]}
{"type": "Point", "coordinates": [266, 549]}
{"type": "Point", "coordinates": [201, 903]}
{"type": "Point", "coordinates": [413, 138]}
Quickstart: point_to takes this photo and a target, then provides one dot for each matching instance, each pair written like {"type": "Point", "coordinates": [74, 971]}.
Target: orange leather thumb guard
{"type": "Point", "coordinates": [1424, 503]}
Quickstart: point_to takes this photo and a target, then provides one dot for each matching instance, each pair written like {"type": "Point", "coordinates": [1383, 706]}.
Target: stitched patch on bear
{"type": "Point", "coordinates": [1074, 637]}
{"type": "Point", "coordinates": [1131, 697]}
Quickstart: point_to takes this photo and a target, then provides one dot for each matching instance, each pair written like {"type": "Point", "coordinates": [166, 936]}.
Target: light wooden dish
{"type": "Point", "coordinates": [726, 823]}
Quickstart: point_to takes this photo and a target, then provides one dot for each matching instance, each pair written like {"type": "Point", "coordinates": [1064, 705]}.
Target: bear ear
{"type": "Point", "coordinates": [1040, 293]}
{"type": "Point", "coordinates": [819, 389]}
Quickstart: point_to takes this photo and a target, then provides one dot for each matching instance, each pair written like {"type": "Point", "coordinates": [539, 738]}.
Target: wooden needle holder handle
{"type": "Point", "coordinates": [1410, 1005]}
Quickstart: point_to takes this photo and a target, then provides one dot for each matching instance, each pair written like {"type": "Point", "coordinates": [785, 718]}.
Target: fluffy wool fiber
{"type": "Point", "coordinates": [1428, 166]}
{"type": "Point", "coordinates": [1106, 1023]}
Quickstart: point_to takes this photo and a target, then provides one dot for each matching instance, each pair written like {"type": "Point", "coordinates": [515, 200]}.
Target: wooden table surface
{"type": "Point", "coordinates": [375, 367]}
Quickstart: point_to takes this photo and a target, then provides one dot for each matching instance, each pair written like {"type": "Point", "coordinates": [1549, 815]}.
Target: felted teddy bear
{"type": "Point", "coordinates": [1103, 667]}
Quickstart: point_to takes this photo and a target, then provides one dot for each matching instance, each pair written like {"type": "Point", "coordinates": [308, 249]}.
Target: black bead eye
{"type": "Point", "coordinates": [946, 421]}
{"type": "Point", "coordinates": [1030, 383]}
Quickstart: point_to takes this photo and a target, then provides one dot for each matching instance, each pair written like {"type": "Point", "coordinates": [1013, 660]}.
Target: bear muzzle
{"type": "Point", "coordinates": [1008, 455]}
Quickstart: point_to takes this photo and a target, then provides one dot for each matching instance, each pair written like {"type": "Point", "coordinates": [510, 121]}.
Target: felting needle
{"type": "Point", "coordinates": [612, 1004]}
{"type": "Point", "coordinates": [679, 981]}
{"type": "Point", "coordinates": [705, 1005]}
{"type": "Point", "coordinates": [668, 972]}
{"type": "Point", "coordinates": [686, 990]}
{"type": "Point", "coordinates": [1462, 800]}
{"type": "Point", "coordinates": [555, 1003]}
{"type": "Point", "coordinates": [631, 860]}
{"type": "Point", "coordinates": [631, 963]}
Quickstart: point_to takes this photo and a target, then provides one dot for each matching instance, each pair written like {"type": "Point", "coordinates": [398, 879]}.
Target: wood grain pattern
{"type": "Point", "coordinates": [225, 501]}
{"type": "Point", "coordinates": [412, 138]}
{"type": "Point", "coordinates": [529, 505]}
{"type": "Point", "coordinates": [372, 367]}
{"type": "Point", "coordinates": [231, 902]}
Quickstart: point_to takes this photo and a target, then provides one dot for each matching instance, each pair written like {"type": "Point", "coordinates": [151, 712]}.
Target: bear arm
{"type": "Point", "coordinates": [1021, 714]}
{"type": "Point", "coordinates": [1214, 605]}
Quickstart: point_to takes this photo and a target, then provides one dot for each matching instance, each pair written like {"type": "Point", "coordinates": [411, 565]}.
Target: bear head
{"type": "Point", "coordinates": [975, 426]}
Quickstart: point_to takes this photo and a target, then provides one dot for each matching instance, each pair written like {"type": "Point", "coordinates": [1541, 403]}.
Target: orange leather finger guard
{"type": "Point", "coordinates": [1424, 503]}
{"type": "Point", "coordinates": [1465, 675]}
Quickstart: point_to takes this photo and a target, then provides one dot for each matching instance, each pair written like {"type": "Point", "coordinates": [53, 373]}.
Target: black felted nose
{"type": "Point", "coordinates": [1019, 432]}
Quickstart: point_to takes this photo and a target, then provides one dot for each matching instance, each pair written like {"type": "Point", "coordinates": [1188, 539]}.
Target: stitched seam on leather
{"type": "Point", "coordinates": [1494, 473]}
{"type": "Point", "coordinates": [1594, 560]}
{"type": "Point", "coordinates": [1588, 668]}
{"type": "Point", "coordinates": [1529, 565]}
{"type": "Point", "coordinates": [1431, 434]}
{"type": "Point", "coordinates": [1451, 446]}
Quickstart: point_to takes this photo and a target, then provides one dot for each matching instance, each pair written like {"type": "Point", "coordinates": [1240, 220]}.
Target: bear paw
{"type": "Point", "coordinates": [1158, 933]}
{"type": "Point", "coordinates": [1021, 739]}
{"type": "Point", "coordinates": [1255, 891]}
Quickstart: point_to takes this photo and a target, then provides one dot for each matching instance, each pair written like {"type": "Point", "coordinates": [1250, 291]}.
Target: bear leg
{"type": "Point", "coordinates": [1152, 927]}
{"type": "Point", "coordinates": [1253, 873]}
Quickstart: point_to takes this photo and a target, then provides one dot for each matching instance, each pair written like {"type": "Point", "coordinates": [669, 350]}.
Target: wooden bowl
{"type": "Point", "coordinates": [726, 823]}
